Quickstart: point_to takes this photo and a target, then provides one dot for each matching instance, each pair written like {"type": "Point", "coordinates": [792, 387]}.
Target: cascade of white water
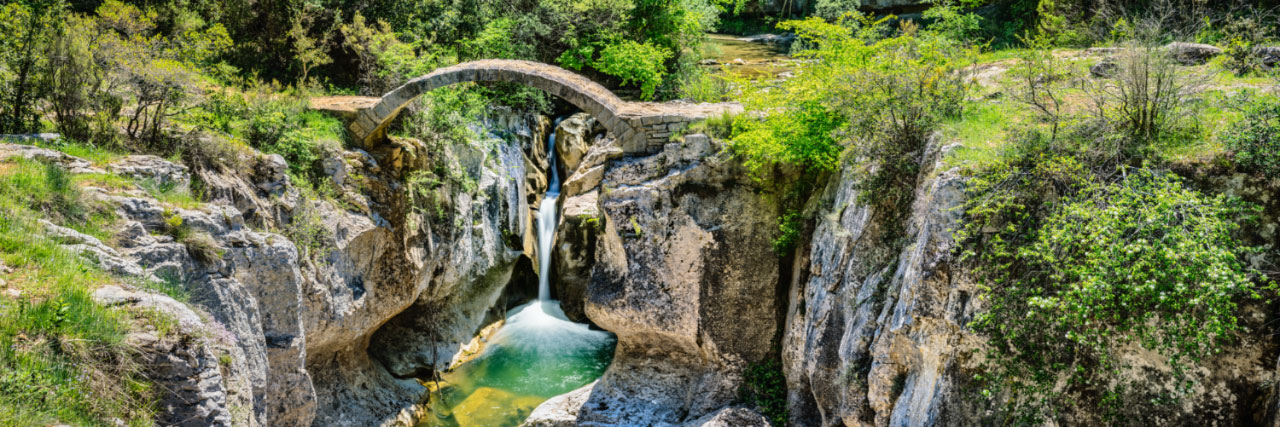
{"type": "Point", "coordinates": [548, 216]}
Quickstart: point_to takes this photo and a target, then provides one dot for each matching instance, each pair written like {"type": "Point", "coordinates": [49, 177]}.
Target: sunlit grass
{"type": "Point", "coordinates": [62, 356]}
{"type": "Point", "coordinates": [170, 194]}
{"type": "Point", "coordinates": [98, 156]}
{"type": "Point", "coordinates": [984, 128]}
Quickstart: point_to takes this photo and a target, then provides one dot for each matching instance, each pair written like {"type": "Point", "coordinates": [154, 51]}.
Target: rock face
{"type": "Point", "coordinates": [301, 309]}
{"type": "Point", "coordinates": [575, 252]}
{"type": "Point", "coordinates": [468, 267]}
{"type": "Point", "coordinates": [878, 336]}
{"type": "Point", "coordinates": [686, 277]}
{"type": "Point", "coordinates": [184, 364]}
{"type": "Point", "coordinates": [154, 169]}
{"type": "Point", "coordinates": [580, 222]}
{"type": "Point", "coordinates": [873, 337]}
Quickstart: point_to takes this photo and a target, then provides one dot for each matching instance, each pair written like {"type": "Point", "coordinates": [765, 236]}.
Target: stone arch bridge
{"type": "Point", "coordinates": [642, 127]}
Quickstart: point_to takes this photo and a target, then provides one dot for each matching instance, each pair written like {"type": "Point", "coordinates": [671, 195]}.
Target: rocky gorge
{"type": "Point", "coordinates": [670, 251]}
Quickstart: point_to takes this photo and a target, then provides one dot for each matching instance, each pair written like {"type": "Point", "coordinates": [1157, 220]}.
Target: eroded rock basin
{"type": "Point", "coordinates": [536, 355]}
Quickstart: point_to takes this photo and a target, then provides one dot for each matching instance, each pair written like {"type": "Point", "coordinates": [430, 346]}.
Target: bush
{"type": "Point", "coordinates": [1254, 140]}
{"type": "Point", "coordinates": [1074, 270]}
{"type": "Point", "coordinates": [285, 127]}
{"type": "Point", "coordinates": [947, 19]}
{"type": "Point", "coordinates": [635, 63]}
{"type": "Point", "coordinates": [765, 387]}
{"type": "Point", "coordinates": [1149, 102]}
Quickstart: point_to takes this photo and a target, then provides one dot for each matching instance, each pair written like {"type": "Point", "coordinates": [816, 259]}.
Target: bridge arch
{"type": "Point", "coordinates": [640, 126]}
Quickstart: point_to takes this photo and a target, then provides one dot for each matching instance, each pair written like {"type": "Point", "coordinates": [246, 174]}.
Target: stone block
{"type": "Point", "coordinates": [381, 111]}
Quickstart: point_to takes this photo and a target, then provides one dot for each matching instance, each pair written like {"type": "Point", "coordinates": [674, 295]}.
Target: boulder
{"type": "Point", "coordinates": [1192, 53]}
{"type": "Point", "coordinates": [1104, 69]}
{"type": "Point", "coordinates": [1268, 55]}
{"type": "Point", "coordinates": [733, 416]}
{"type": "Point", "coordinates": [573, 139]}
{"type": "Point", "coordinates": [154, 169]}
{"type": "Point", "coordinates": [183, 365]}
{"type": "Point", "coordinates": [560, 411]}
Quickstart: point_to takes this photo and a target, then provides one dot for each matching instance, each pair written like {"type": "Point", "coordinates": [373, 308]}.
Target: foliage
{"type": "Point", "coordinates": [28, 27]}
{"type": "Point", "coordinates": [857, 86]}
{"type": "Point", "coordinates": [62, 356]}
{"type": "Point", "coordinates": [1061, 22]}
{"type": "Point", "coordinates": [298, 136]}
{"type": "Point", "coordinates": [633, 62]}
{"type": "Point", "coordinates": [1073, 269]}
{"type": "Point", "coordinates": [703, 86]}
{"type": "Point", "coordinates": [1149, 101]}
{"type": "Point", "coordinates": [835, 10]}
{"type": "Point", "coordinates": [1238, 35]}
{"type": "Point", "coordinates": [790, 225]}
{"type": "Point", "coordinates": [310, 52]}
{"type": "Point", "coordinates": [765, 387]}
{"type": "Point", "coordinates": [949, 20]}
{"type": "Point", "coordinates": [1254, 140]}
{"type": "Point", "coordinates": [274, 123]}
{"type": "Point", "coordinates": [383, 61]}
{"type": "Point", "coordinates": [444, 116]}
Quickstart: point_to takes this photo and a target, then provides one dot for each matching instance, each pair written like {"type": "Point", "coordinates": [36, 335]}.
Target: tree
{"type": "Point", "coordinates": [309, 52]}
{"type": "Point", "coordinates": [28, 27]}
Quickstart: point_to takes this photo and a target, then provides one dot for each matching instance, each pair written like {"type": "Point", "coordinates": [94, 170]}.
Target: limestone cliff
{"type": "Point", "coordinates": [877, 334]}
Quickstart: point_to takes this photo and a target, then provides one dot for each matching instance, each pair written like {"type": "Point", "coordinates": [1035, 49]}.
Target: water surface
{"type": "Point", "coordinates": [536, 355]}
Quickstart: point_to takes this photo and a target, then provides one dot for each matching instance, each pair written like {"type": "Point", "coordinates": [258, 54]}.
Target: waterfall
{"type": "Point", "coordinates": [548, 217]}
{"type": "Point", "coordinates": [536, 354]}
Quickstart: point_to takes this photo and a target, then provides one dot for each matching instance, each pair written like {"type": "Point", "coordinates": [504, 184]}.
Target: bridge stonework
{"type": "Point", "coordinates": [642, 127]}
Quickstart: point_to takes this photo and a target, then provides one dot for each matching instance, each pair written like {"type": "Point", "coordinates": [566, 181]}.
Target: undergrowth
{"type": "Point", "coordinates": [765, 387]}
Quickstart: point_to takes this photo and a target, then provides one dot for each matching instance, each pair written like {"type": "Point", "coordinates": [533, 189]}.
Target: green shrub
{"type": "Point", "coordinates": [1074, 270]}
{"type": "Point", "coordinates": [287, 128]}
{"type": "Point", "coordinates": [949, 18]}
{"type": "Point", "coordinates": [789, 226]}
{"type": "Point", "coordinates": [765, 387]}
{"type": "Point", "coordinates": [1149, 104]}
{"type": "Point", "coordinates": [635, 63]}
{"type": "Point", "coordinates": [1254, 140]}
{"type": "Point", "coordinates": [702, 86]}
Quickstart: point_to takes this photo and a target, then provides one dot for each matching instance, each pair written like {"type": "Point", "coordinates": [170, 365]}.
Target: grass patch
{"type": "Point", "coordinates": [52, 193]}
{"type": "Point", "coordinates": [170, 194]}
{"type": "Point", "coordinates": [62, 356]}
{"type": "Point", "coordinates": [99, 156]}
{"type": "Point", "coordinates": [982, 132]}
